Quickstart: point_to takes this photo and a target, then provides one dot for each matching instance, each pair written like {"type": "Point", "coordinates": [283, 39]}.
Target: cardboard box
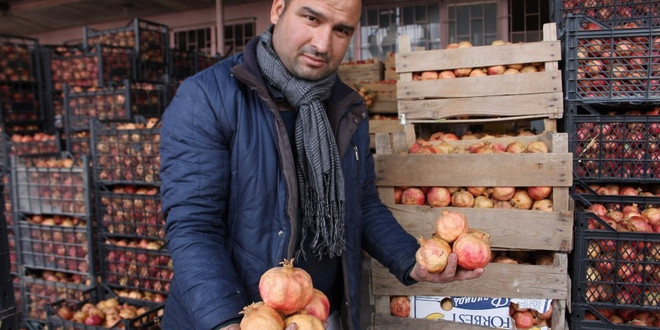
{"type": "Point", "coordinates": [489, 312]}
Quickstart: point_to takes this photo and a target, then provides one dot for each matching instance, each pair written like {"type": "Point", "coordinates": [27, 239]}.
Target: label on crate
{"type": "Point", "coordinates": [489, 312]}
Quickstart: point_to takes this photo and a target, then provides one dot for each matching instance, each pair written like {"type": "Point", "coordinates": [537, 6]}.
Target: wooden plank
{"type": "Point", "coordinates": [498, 280]}
{"type": "Point", "coordinates": [495, 85]}
{"type": "Point", "coordinates": [404, 49]}
{"type": "Point", "coordinates": [545, 105]}
{"type": "Point", "coordinates": [385, 126]}
{"type": "Point", "coordinates": [476, 57]}
{"type": "Point", "coordinates": [508, 228]}
{"type": "Point", "coordinates": [388, 322]}
{"type": "Point", "coordinates": [550, 33]}
{"type": "Point", "coordinates": [460, 170]}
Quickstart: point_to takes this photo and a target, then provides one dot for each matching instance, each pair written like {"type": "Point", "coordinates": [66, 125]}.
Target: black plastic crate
{"type": "Point", "coordinates": [611, 65]}
{"type": "Point", "coordinates": [584, 316]}
{"type": "Point", "coordinates": [13, 252]}
{"type": "Point", "coordinates": [136, 314]}
{"type": "Point", "coordinates": [122, 102]}
{"type": "Point", "coordinates": [87, 67]}
{"type": "Point", "coordinates": [609, 144]}
{"type": "Point", "coordinates": [42, 288]}
{"type": "Point", "coordinates": [78, 143]}
{"type": "Point", "coordinates": [18, 60]}
{"type": "Point", "coordinates": [614, 268]}
{"type": "Point", "coordinates": [130, 211]}
{"type": "Point", "coordinates": [9, 322]}
{"type": "Point", "coordinates": [205, 61]}
{"type": "Point", "coordinates": [151, 72]}
{"type": "Point", "coordinates": [126, 153]}
{"type": "Point", "coordinates": [57, 186]}
{"type": "Point", "coordinates": [65, 247]}
{"type": "Point", "coordinates": [183, 64]}
{"type": "Point", "coordinates": [150, 39]}
{"type": "Point", "coordinates": [136, 264]}
{"type": "Point", "coordinates": [20, 103]}
{"type": "Point", "coordinates": [613, 13]}
{"type": "Point", "coordinates": [28, 145]}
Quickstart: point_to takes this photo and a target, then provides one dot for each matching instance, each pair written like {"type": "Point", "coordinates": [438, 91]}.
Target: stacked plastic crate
{"type": "Point", "coordinates": [133, 254]}
{"type": "Point", "coordinates": [150, 41]}
{"type": "Point", "coordinates": [8, 316]}
{"type": "Point", "coordinates": [81, 69]}
{"type": "Point", "coordinates": [52, 212]}
{"type": "Point", "coordinates": [612, 84]}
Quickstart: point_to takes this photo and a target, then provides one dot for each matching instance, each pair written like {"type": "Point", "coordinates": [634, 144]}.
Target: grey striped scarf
{"type": "Point", "coordinates": [320, 180]}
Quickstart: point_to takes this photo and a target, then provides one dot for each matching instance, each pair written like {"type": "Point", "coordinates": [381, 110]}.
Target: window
{"type": "Point", "coordinates": [237, 35]}
{"type": "Point", "coordinates": [476, 23]}
{"type": "Point", "coordinates": [382, 25]}
{"type": "Point", "coordinates": [526, 19]}
{"type": "Point", "coordinates": [195, 40]}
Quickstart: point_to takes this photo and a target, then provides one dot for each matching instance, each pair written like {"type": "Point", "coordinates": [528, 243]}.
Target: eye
{"type": "Point", "coordinates": [343, 32]}
{"type": "Point", "coordinates": [311, 18]}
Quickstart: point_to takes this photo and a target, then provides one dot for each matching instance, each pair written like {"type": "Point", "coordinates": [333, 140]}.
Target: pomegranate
{"type": "Point", "coordinates": [597, 209]}
{"type": "Point", "coordinates": [544, 205]}
{"type": "Point", "coordinates": [521, 200]}
{"type": "Point", "coordinates": [462, 198]}
{"type": "Point", "coordinates": [483, 202]}
{"type": "Point", "coordinates": [539, 192]}
{"type": "Point", "coordinates": [515, 147]}
{"type": "Point", "coordinates": [288, 289]}
{"type": "Point", "coordinates": [433, 254]}
{"type": "Point", "coordinates": [472, 249]}
{"type": "Point", "coordinates": [502, 205]}
{"type": "Point", "coordinates": [304, 321]}
{"type": "Point", "coordinates": [319, 306]}
{"type": "Point", "coordinates": [537, 147]}
{"type": "Point", "coordinates": [398, 191]}
{"type": "Point", "coordinates": [400, 306]}
{"type": "Point", "coordinates": [438, 197]}
{"type": "Point", "coordinates": [450, 225]}
{"type": "Point", "coordinates": [413, 196]}
{"type": "Point", "coordinates": [502, 193]}
{"type": "Point", "coordinates": [524, 320]}
{"type": "Point", "coordinates": [638, 224]}
{"type": "Point", "coordinates": [652, 215]}
{"type": "Point", "coordinates": [259, 316]}
{"type": "Point", "coordinates": [476, 191]}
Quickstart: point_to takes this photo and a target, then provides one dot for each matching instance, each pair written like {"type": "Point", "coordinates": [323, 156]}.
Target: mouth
{"type": "Point", "coordinates": [315, 61]}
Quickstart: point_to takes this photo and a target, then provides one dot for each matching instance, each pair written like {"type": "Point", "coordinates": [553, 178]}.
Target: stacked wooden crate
{"type": "Point", "coordinates": [481, 101]}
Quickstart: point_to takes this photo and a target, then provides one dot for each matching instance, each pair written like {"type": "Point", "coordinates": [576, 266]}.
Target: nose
{"type": "Point", "coordinates": [322, 40]}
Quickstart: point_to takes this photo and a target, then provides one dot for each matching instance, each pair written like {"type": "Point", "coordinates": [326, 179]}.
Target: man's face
{"type": "Point", "coordinates": [312, 36]}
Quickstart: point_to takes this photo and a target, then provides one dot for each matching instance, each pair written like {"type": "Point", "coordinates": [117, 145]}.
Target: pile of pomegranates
{"type": "Point", "coordinates": [528, 318]}
{"type": "Point", "coordinates": [107, 313]}
{"type": "Point", "coordinates": [523, 198]}
{"type": "Point", "coordinates": [288, 296]}
{"type": "Point", "coordinates": [453, 235]}
{"type": "Point", "coordinates": [625, 217]}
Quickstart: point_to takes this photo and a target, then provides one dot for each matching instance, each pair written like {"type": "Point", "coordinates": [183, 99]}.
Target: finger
{"type": "Point", "coordinates": [450, 269]}
{"type": "Point", "coordinates": [469, 274]}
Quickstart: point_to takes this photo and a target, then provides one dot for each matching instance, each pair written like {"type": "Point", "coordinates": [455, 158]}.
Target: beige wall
{"type": "Point", "coordinates": [188, 19]}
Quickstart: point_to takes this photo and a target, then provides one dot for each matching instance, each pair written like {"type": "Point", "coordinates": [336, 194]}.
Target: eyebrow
{"type": "Point", "coordinates": [320, 15]}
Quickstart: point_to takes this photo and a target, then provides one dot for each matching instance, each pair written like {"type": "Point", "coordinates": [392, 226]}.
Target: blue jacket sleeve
{"type": "Point", "coordinates": [382, 236]}
{"type": "Point", "coordinates": [195, 175]}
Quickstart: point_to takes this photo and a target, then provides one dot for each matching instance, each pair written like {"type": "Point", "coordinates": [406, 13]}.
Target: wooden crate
{"type": "Point", "coordinates": [496, 97]}
{"type": "Point", "coordinates": [386, 101]}
{"type": "Point", "coordinates": [390, 67]}
{"type": "Point", "coordinates": [356, 73]}
{"type": "Point", "coordinates": [509, 229]}
{"type": "Point", "coordinates": [387, 126]}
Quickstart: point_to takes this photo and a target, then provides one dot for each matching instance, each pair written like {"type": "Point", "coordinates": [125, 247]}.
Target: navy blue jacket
{"type": "Point", "coordinates": [230, 194]}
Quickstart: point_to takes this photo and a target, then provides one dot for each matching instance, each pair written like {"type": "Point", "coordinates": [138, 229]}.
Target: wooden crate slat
{"type": "Point", "coordinates": [508, 228]}
{"type": "Point", "coordinates": [498, 280]}
{"type": "Point", "coordinates": [388, 322]}
{"type": "Point", "coordinates": [460, 170]}
{"type": "Point", "coordinates": [495, 85]}
{"type": "Point", "coordinates": [476, 57]}
{"type": "Point", "coordinates": [542, 105]}
{"type": "Point", "coordinates": [385, 126]}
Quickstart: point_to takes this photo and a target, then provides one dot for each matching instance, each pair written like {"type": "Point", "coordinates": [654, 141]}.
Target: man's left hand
{"type": "Point", "coordinates": [450, 274]}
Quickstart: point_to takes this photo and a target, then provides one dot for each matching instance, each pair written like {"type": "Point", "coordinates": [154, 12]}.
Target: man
{"type": "Point", "coordinates": [265, 156]}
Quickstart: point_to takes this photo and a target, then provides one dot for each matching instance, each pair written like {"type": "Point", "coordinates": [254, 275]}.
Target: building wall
{"type": "Point", "coordinates": [176, 21]}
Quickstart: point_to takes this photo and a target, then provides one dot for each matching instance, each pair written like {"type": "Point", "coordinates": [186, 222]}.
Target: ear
{"type": "Point", "coordinates": [276, 10]}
